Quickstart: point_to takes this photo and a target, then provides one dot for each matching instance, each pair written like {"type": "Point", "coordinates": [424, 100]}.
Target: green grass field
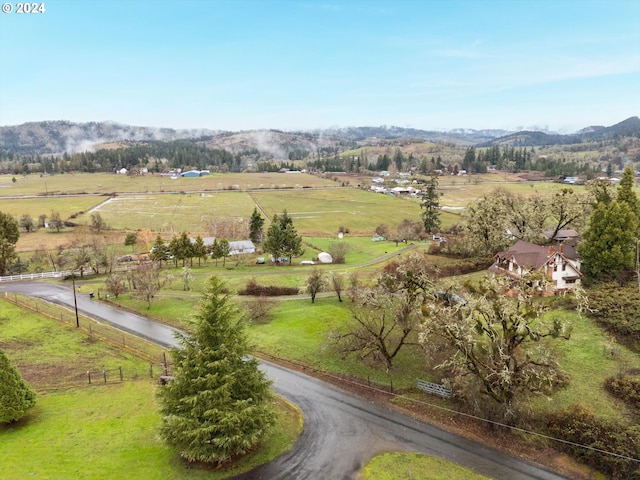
{"type": "Point", "coordinates": [410, 466]}
{"type": "Point", "coordinates": [103, 430]}
{"type": "Point", "coordinates": [107, 183]}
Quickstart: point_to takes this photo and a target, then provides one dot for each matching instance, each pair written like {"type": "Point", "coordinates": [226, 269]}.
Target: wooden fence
{"type": "Point", "coordinates": [434, 388]}
{"type": "Point", "coordinates": [99, 329]}
{"type": "Point", "coordinates": [35, 276]}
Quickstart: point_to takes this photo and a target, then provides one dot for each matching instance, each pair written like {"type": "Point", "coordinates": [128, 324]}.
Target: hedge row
{"type": "Point", "coordinates": [580, 427]}
{"type": "Point", "coordinates": [253, 288]}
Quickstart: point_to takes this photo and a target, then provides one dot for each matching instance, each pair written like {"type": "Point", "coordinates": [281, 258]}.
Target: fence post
{"type": "Point", "coordinates": [89, 376]}
{"type": "Point", "coordinates": [164, 357]}
{"type": "Point", "coordinates": [120, 368]}
{"type": "Point", "coordinates": [104, 374]}
{"type": "Point", "coordinates": [150, 369]}
{"type": "Point", "coordinates": [124, 344]}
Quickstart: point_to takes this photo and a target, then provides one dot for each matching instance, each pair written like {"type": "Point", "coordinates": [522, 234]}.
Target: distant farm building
{"type": "Point", "coordinates": [241, 246]}
{"type": "Point", "coordinates": [194, 173]}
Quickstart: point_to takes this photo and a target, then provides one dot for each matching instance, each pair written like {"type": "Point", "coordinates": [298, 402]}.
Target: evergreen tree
{"type": "Point", "coordinates": [224, 249]}
{"type": "Point", "coordinates": [200, 249]}
{"type": "Point", "coordinates": [159, 250]}
{"type": "Point", "coordinates": [218, 404]}
{"type": "Point", "coordinates": [274, 243]}
{"type": "Point", "coordinates": [608, 245]}
{"type": "Point", "coordinates": [16, 395]}
{"type": "Point", "coordinates": [216, 252]}
{"type": "Point", "coordinates": [626, 193]}
{"type": "Point", "coordinates": [9, 235]}
{"type": "Point", "coordinates": [131, 239]}
{"type": "Point", "coordinates": [292, 242]}
{"type": "Point", "coordinates": [430, 203]}
{"type": "Point", "coordinates": [282, 238]}
{"type": "Point", "coordinates": [255, 226]}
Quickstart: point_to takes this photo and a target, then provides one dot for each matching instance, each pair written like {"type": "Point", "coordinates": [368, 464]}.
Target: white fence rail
{"type": "Point", "coordinates": [34, 276]}
{"type": "Point", "coordinates": [434, 388]}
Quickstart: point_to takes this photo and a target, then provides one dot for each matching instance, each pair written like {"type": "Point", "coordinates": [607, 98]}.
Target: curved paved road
{"type": "Point", "coordinates": [342, 432]}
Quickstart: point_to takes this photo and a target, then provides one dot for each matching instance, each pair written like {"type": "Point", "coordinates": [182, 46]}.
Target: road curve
{"type": "Point", "coordinates": [341, 433]}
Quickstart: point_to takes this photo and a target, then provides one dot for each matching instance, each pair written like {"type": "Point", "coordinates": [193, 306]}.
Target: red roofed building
{"type": "Point", "coordinates": [559, 263]}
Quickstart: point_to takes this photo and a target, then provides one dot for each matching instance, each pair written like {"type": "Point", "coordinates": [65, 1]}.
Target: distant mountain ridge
{"type": "Point", "coordinates": [628, 127]}
{"type": "Point", "coordinates": [58, 137]}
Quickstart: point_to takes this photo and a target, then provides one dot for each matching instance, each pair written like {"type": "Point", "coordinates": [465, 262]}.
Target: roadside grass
{"type": "Point", "coordinates": [111, 432]}
{"type": "Point", "coordinates": [102, 430]}
{"type": "Point", "coordinates": [42, 349]}
{"type": "Point", "coordinates": [407, 466]}
{"type": "Point", "coordinates": [299, 332]}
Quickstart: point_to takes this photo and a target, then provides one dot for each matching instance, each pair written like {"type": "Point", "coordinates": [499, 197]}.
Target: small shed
{"type": "Point", "coordinates": [241, 246]}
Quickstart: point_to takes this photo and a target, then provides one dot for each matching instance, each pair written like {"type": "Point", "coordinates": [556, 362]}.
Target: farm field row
{"type": "Point", "coordinates": [107, 183]}
{"type": "Point", "coordinates": [316, 212]}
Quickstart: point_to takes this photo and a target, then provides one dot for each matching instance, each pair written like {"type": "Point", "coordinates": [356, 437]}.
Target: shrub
{"type": "Point", "coordinates": [253, 288]}
{"type": "Point", "coordinates": [617, 309]}
{"type": "Point", "coordinates": [259, 309]}
{"type": "Point", "coordinates": [580, 427]}
{"type": "Point", "coordinates": [626, 389]}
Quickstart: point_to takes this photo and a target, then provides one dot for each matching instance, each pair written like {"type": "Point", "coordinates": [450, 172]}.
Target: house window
{"type": "Point", "coordinates": [570, 280]}
{"type": "Point", "coordinates": [564, 266]}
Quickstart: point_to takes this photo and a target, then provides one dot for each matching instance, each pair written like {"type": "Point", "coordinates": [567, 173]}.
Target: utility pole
{"type": "Point", "coordinates": [75, 300]}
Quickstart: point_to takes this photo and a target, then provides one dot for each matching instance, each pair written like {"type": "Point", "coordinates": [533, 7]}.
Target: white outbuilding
{"type": "Point", "coordinates": [324, 257]}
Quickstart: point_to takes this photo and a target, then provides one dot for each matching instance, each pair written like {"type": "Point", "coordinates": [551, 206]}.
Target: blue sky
{"type": "Point", "coordinates": [305, 64]}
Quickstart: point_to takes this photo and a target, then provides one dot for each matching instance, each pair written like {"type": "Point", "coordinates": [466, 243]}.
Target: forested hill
{"type": "Point", "coordinates": [627, 128]}
{"type": "Point", "coordinates": [59, 137]}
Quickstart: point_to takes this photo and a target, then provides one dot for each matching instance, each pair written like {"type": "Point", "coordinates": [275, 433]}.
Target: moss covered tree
{"type": "Point", "coordinates": [218, 404]}
{"type": "Point", "coordinates": [16, 395]}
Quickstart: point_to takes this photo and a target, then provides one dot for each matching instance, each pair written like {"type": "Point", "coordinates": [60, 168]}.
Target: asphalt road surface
{"type": "Point", "coordinates": [341, 433]}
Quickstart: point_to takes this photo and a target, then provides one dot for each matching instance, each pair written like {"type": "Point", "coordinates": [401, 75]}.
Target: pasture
{"type": "Point", "coordinates": [103, 430]}
{"type": "Point", "coordinates": [107, 183]}
{"type": "Point", "coordinates": [192, 204]}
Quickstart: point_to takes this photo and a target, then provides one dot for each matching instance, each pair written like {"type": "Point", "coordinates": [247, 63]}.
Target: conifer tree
{"type": "Point", "coordinates": [218, 404]}
{"type": "Point", "coordinates": [608, 245]}
{"type": "Point", "coordinates": [430, 203]}
{"type": "Point", "coordinates": [255, 226]}
{"type": "Point", "coordinates": [16, 395]}
{"type": "Point", "coordinates": [626, 193]}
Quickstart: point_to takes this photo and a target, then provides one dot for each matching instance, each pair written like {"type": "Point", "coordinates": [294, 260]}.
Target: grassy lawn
{"type": "Point", "coordinates": [102, 430]}
{"type": "Point", "coordinates": [586, 357]}
{"type": "Point", "coordinates": [111, 432]}
{"type": "Point", "coordinates": [409, 466]}
{"type": "Point", "coordinates": [299, 332]}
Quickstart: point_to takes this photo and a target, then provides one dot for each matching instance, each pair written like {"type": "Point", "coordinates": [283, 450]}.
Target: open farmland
{"type": "Point", "coordinates": [36, 206]}
{"type": "Point", "coordinates": [74, 183]}
{"type": "Point", "coordinates": [191, 204]}
{"type": "Point", "coordinates": [172, 213]}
